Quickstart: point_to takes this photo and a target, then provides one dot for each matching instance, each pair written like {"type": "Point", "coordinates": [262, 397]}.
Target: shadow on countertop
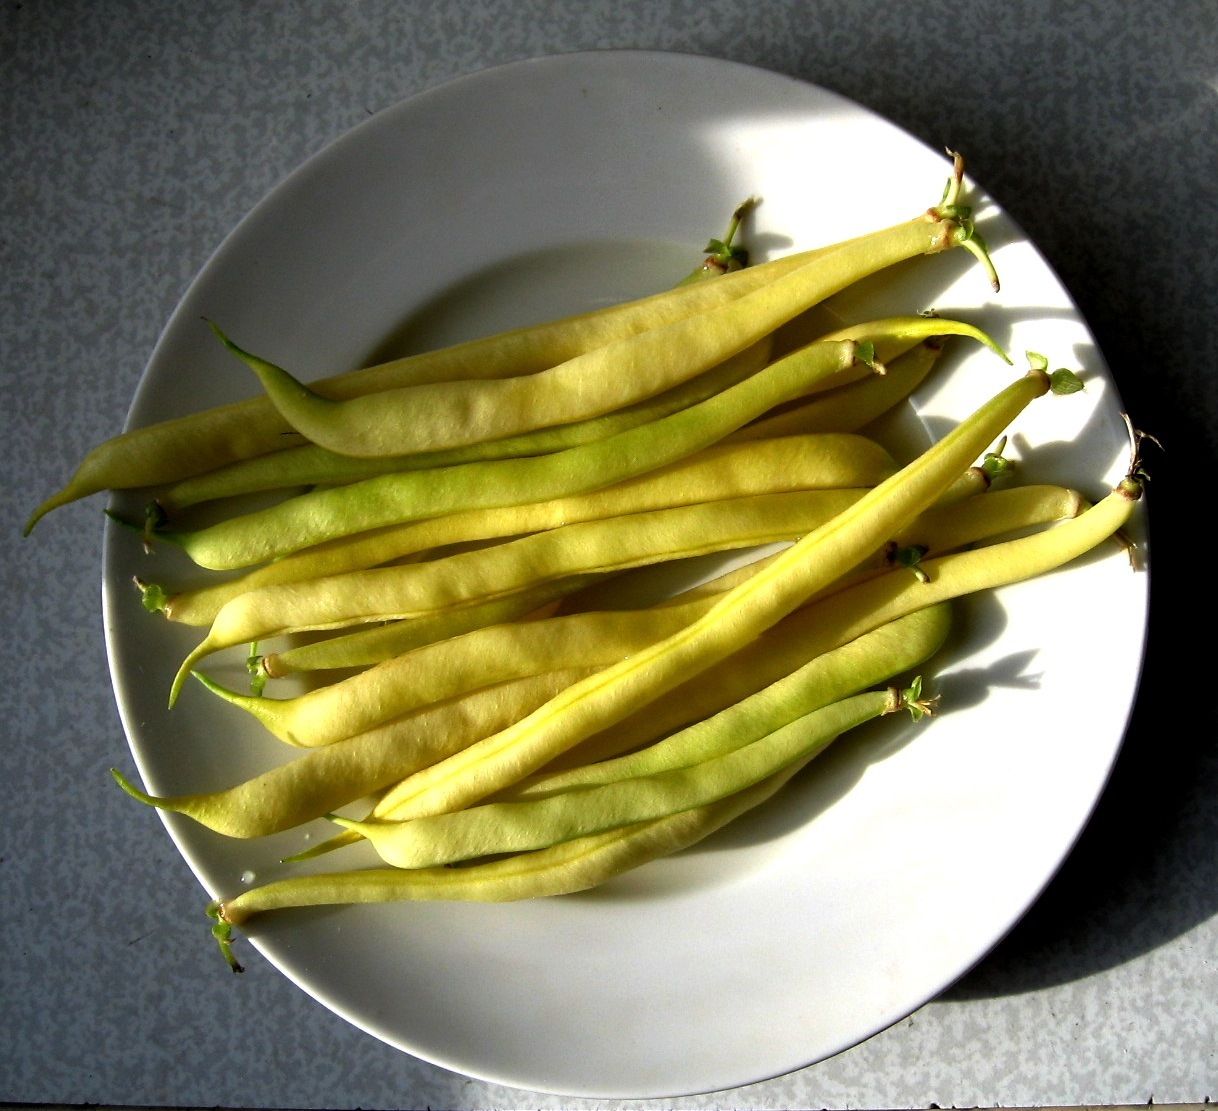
{"type": "Point", "coordinates": [1092, 185]}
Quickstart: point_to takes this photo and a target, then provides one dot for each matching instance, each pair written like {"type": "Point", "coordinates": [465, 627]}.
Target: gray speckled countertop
{"type": "Point", "coordinates": [135, 135]}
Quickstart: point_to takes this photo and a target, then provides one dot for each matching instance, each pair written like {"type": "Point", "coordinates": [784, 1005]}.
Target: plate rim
{"type": "Point", "coordinates": [232, 241]}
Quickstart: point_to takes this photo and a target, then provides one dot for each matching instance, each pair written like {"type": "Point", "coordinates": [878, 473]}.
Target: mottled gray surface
{"type": "Point", "coordinates": [135, 135]}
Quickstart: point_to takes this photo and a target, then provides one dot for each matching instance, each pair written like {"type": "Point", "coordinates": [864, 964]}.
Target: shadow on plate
{"type": "Point", "coordinates": [1144, 871]}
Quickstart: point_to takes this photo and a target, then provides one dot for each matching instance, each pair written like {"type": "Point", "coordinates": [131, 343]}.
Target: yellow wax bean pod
{"type": "Point", "coordinates": [993, 565]}
{"type": "Point", "coordinates": [442, 415]}
{"type": "Point", "coordinates": [893, 339]}
{"type": "Point", "coordinates": [195, 443]}
{"type": "Point", "coordinates": [950, 525]}
{"type": "Point", "coordinates": [457, 665]}
{"type": "Point", "coordinates": [631, 587]}
{"type": "Point", "coordinates": [394, 593]}
{"type": "Point", "coordinates": [371, 645]}
{"type": "Point", "coordinates": [738, 617]}
{"type": "Point", "coordinates": [825, 460]}
{"type": "Point", "coordinates": [321, 780]}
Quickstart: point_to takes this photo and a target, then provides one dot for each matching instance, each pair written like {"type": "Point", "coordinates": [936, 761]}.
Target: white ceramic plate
{"type": "Point", "coordinates": [543, 187]}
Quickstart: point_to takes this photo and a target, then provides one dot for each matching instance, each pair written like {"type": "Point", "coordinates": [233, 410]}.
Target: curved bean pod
{"type": "Point", "coordinates": [894, 338]}
{"type": "Point", "coordinates": [742, 614]}
{"type": "Point", "coordinates": [995, 565]}
{"type": "Point", "coordinates": [443, 415]}
{"type": "Point", "coordinates": [950, 525]}
{"type": "Point", "coordinates": [311, 465]}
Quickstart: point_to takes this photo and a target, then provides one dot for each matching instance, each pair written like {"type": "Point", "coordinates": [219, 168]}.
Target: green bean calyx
{"type": "Point", "coordinates": [722, 255]}
{"type": "Point", "coordinates": [222, 931]}
{"type": "Point", "coordinates": [965, 233]}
